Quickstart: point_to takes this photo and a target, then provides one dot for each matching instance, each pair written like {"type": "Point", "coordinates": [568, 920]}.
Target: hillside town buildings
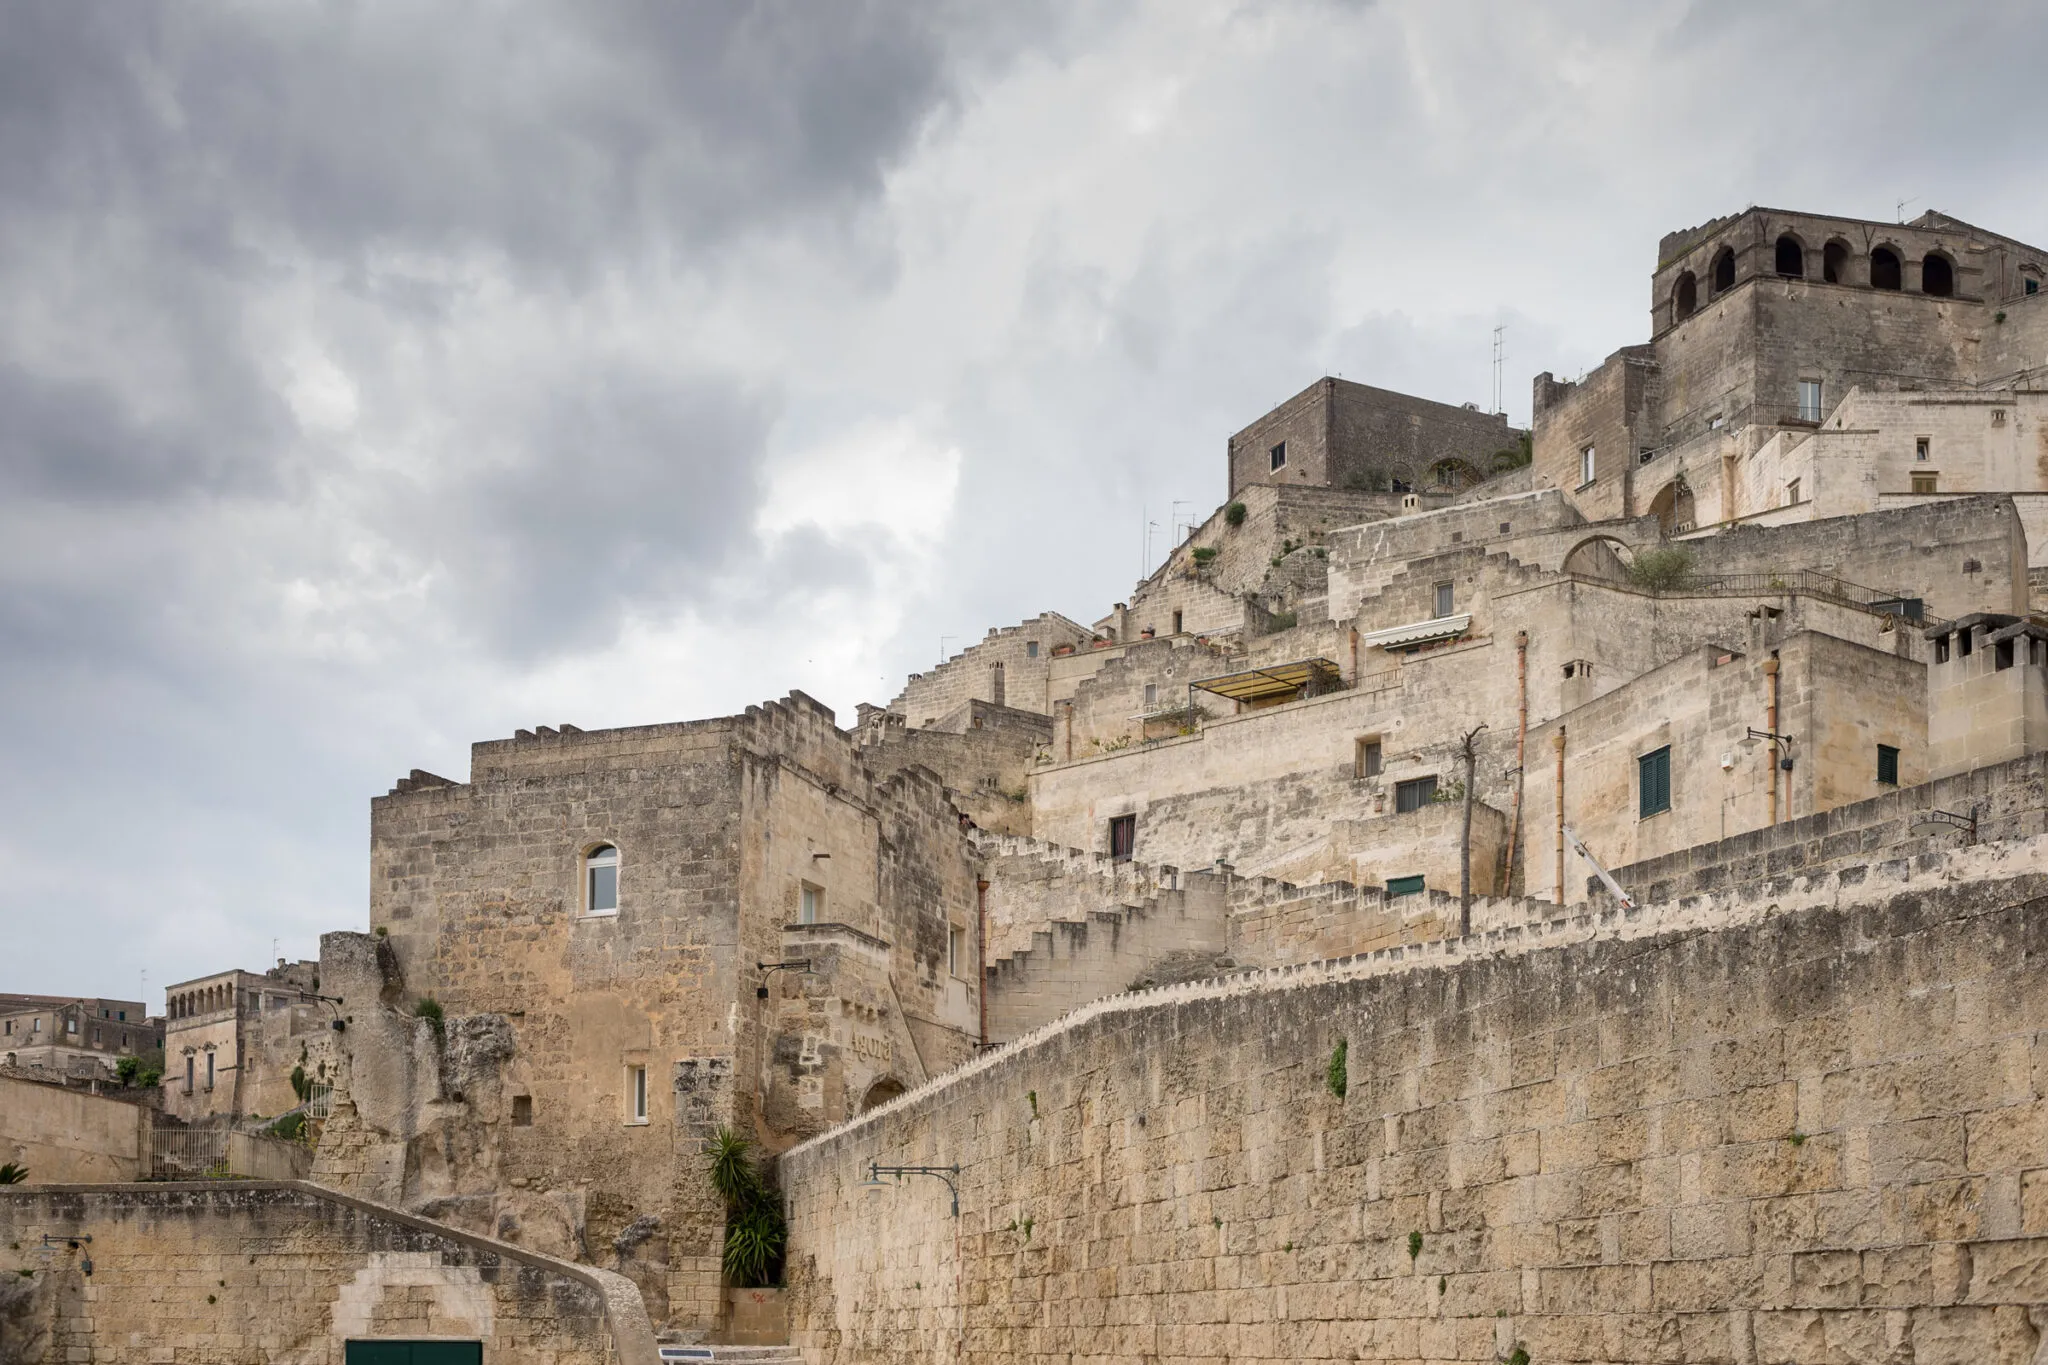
{"type": "Point", "coordinates": [1751, 598]}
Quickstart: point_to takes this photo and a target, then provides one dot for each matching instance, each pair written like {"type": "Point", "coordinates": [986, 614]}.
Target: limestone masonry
{"type": "Point", "coordinates": [1563, 895]}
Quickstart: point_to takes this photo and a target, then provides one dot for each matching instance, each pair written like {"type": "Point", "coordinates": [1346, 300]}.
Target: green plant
{"type": "Point", "coordinates": [211, 1299]}
{"type": "Point", "coordinates": [1662, 569]}
{"type": "Point", "coordinates": [383, 932]}
{"type": "Point", "coordinates": [1288, 1247]}
{"type": "Point", "coordinates": [1414, 1245]}
{"type": "Point", "coordinates": [1234, 514]}
{"type": "Point", "coordinates": [1032, 1095]}
{"type": "Point", "coordinates": [1518, 1356]}
{"type": "Point", "coordinates": [429, 1009]}
{"type": "Point", "coordinates": [1442, 1283]}
{"type": "Point", "coordinates": [1280, 620]}
{"type": "Point", "coordinates": [290, 1128]}
{"type": "Point", "coordinates": [1999, 316]}
{"type": "Point", "coordinates": [755, 1231]}
{"type": "Point", "coordinates": [11, 1174]}
{"type": "Point", "coordinates": [1204, 555]}
{"type": "Point", "coordinates": [1215, 1221]}
{"type": "Point", "coordinates": [127, 1069]}
{"type": "Point", "coordinates": [1447, 792]}
{"type": "Point", "coordinates": [1797, 1139]}
{"type": "Point", "coordinates": [1028, 1224]}
{"type": "Point", "coordinates": [1336, 1077]}
{"type": "Point", "coordinates": [302, 1086]}
{"type": "Point", "coordinates": [150, 1076]}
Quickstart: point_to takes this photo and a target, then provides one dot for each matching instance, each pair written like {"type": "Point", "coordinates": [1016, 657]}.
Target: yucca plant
{"type": "Point", "coordinates": [755, 1233]}
{"type": "Point", "coordinates": [11, 1174]}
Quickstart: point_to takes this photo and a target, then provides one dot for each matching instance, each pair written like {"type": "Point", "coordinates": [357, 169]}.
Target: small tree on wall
{"type": "Point", "coordinates": [755, 1233]}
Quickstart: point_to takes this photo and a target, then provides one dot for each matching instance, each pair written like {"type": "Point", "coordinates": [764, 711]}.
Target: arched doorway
{"type": "Point", "coordinates": [1685, 297]}
{"type": "Point", "coordinates": [1724, 271]}
{"type": "Point", "coordinates": [881, 1092]}
{"type": "Point", "coordinates": [1937, 275]}
{"type": "Point", "coordinates": [1600, 557]}
{"type": "Point", "coordinates": [1884, 268]}
{"type": "Point", "coordinates": [1673, 507]}
{"type": "Point", "coordinates": [1791, 258]}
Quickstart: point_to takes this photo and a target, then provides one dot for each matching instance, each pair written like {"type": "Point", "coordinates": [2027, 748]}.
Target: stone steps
{"type": "Point", "coordinates": [728, 1355]}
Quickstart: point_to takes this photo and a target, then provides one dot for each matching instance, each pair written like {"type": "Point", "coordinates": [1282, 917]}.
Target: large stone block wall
{"type": "Point", "coordinates": [1022, 652]}
{"type": "Point", "coordinates": [62, 1134]}
{"type": "Point", "coordinates": [1349, 435]}
{"type": "Point", "coordinates": [285, 1274]}
{"type": "Point", "coordinates": [1805, 1123]}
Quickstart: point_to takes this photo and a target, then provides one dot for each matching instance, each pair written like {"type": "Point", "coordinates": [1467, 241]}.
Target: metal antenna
{"type": "Point", "coordinates": [1499, 356]}
{"type": "Point", "coordinates": [1902, 206]}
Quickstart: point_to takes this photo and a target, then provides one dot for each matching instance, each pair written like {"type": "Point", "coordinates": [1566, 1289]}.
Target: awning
{"type": "Point", "coordinates": [1275, 680]}
{"type": "Point", "coordinates": [1420, 633]}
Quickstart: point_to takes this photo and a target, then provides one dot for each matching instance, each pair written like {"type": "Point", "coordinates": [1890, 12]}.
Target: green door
{"type": "Point", "coordinates": [415, 1353]}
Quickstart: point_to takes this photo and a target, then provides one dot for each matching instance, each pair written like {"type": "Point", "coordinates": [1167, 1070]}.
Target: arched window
{"type": "Point", "coordinates": [1937, 276]}
{"type": "Point", "coordinates": [601, 881]}
{"type": "Point", "coordinates": [1791, 258]}
{"type": "Point", "coordinates": [1724, 271]}
{"type": "Point", "coordinates": [1834, 262]}
{"type": "Point", "coordinates": [1884, 268]}
{"type": "Point", "coordinates": [1685, 296]}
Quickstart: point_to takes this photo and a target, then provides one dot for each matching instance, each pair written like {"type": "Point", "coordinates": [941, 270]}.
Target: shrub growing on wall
{"type": "Point", "coordinates": [1234, 514]}
{"type": "Point", "coordinates": [755, 1233]}
{"type": "Point", "coordinates": [1661, 570]}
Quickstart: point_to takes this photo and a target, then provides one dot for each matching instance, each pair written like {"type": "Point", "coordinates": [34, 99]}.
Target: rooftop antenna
{"type": "Point", "coordinates": [1902, 206]}
{"type": "Point", "coordinates": [1499, 356]}
{"type": "Point", "coordinates": [144, 984]}
{"type": "Point", "coordinates": [942, 646]}
{"type": "Point", "coordinates": [1178, 520]}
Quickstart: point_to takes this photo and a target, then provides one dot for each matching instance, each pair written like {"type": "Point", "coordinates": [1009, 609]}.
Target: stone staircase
{"type": "Point", "coordinates": [728, 1355]}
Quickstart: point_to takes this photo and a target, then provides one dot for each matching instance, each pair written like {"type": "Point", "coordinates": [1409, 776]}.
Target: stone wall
{"type": "Point", "coordinates": [1347, 435]}
{"type": "Point", "coordinates": [285, 1274]}
{"type": "Point", "coordinates": [1807, 1122]}
{"type": "Point", "coordinates": [1009, 667]}
{"type": "Point", "coordinates": [64, 1135]}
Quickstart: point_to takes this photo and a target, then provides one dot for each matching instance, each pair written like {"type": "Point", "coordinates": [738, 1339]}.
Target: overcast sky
{"type": "Point", "coordinates": [376, 378]}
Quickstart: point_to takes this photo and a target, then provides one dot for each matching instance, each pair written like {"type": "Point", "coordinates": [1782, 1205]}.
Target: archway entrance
{"type": "Point", "coordinates": [1600, 557]}
{"type": "Point", "coordinates": [881, 1092]}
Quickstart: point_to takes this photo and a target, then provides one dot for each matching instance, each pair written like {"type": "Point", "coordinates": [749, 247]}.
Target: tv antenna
{"type": "Point", "coordinates": [1499, 355]}
{"type": "Point", "coordinates": [1902, 206]}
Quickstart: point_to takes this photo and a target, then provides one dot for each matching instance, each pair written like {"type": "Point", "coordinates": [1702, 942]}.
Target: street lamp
{"type": "Point", "coordinates": [873, 1184]}
{"type": "Point", "coordinates": [1940, 821]}
{"type": "Point", "coordinates": [1756, 737]}
{"type": "Point", "coordinates": [795, 964]}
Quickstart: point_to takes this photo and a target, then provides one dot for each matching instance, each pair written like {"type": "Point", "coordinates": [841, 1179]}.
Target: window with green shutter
{"type": "Point", "coordinates": [1888, 765]}
{"type": "Point", "coordinates": [413, 1353]}
{"type": "Point", "coordinates": [1403, 886]}
{"type": "Point", "coordinates": [1653, 782]}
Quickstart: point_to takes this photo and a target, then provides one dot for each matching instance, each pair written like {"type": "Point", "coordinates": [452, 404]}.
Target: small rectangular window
{"type": "Point", "coordinates": [209, 1071]}
{"type": "Point", "coordinates": [95, 1037]}
{"type": "Point", "coordinates": [1177, 623]}
{"type": "Point", "coordinates": [1414, 794]}
{"type": "Point", "coordinates": [956, 950]}
{"type": "Point", "coordinates": [522, 1111]}
{"type": "Point", "coordinates": [1809, 400]}
{"type": "Point", "coordinates": [1792, 493]}
{"type": "Point", "coordinates": [1887, 765]}
{"type": "Point", "coordinates": [35, 1025]}
{"type": "Point", "coordinates": [188, 1073]}
{"type": "Point", "coordinates": [1123, 836]}
{"type": "Point", "coordinates": [1653, 782]}
{"type": "Point", "coordinates": [1151, 694]}
{"type": "Point", "coordinates": [124, 1016]}
{"type": "Point", "coordinates": [1366, 761]}
{"type": "Point", "coordinates": [1941, 649]}
{"type": "Point", "coordinates": [636, 1094]}
{"type": "Point", "coordinates": [1031, 649]}
{"type": "Point", "coordinates": [1403, 886]}
{"type": "Point", "coordinates": [1279, 454]}
{"type": "Point", "coordinates": [1443, 599]}
{"type": "Point", "coordinates": [2033, 285]}
{"type": "Point", "coordinates": [71, 1026]}
{"type": "Point", "coordinates": [2002, 655]}
{"type": "Point", "coordinates": [1587, 466]}
{"type": "Point", "coordinates": [1966, 641]}
{"type": "Point", "coordinates": [1926, 483]}
{"type": "Point", "coordinates": [810, 900]}
{"type": "Point", "coordinates": [1922, 449]}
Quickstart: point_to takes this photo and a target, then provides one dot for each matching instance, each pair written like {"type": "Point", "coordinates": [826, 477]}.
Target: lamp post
{"type": "Point", "coordinates": [1938, 821]}
{"type": "Point", "coordinates": [795, 964]}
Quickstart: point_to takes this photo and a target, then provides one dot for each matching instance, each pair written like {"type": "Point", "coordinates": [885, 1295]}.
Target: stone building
{"type": "Point", "coordinates": [232, 1040]}
{"type": "Point", "coordinates": [1338, 434]}
{"type": "Point", "coordinates": [633, 938]}
{"type": "Point", "coordinates": [74, 1035]}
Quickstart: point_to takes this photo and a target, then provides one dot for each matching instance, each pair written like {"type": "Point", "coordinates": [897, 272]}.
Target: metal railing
{"type": "Point", "coordinates": [1803, 582]}
{"type": "Point", "coordinates": [188, 1154]}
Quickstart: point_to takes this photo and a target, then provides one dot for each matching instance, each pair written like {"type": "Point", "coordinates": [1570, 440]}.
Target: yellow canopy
{"type": "Point", "coordinates": [1274, 680]}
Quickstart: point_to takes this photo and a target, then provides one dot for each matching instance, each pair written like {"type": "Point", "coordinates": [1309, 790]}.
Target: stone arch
{"type": "Point", "coordinates": [1834, 262]}
{"type": "Point", "coordinates": [1724, 270]}
{"type": "Point", "coordinates": [1685, 296]}
{"type": "Point", "coordinates": [1673, 507]}
{"type": "Point", "coordinates": [1600, 556]}
{"type": "Point", "coordinates": [1885, 272]}
{"type": "Point", "coordinates": [1454, 472]}
{"type": "Point", "coordinates": [1791, 257]}
{"type": "Point", "coordinates": [1937, 275]}
{"type": "Point", "coordinates": [884, 1089]}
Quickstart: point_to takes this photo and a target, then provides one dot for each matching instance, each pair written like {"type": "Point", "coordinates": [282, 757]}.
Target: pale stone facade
{"type": "Point", "coordinates": [232, 1040]}
{"type": "Point", "coordinates": [75, 1036]}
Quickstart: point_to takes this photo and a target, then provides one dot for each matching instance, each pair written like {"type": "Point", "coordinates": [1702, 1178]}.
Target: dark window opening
{"type": "Point", "coordinates": [1279, 454]}
{"type": "Point", "coordinates": [2002, 657]}
{"type": "Point", "coordinates": [1922, 448]}
{"type": "Point", "coordinates": [1884, 268]}
{"type": "Point", "coordinates": [1400, 486]}
{"type": "Point", "coordinates": [1937, 276]}
{"type": "Point", "coordinates": [1414, 794]}
{"type": "Point", "coordinates": [1966, 642]}
{"type": "Point", "coordinates": [1176, 623]}
{"type": "Point", "coordinates": [1653, 782]}
{"type": "Point", "coordinates": [1123, 836]}
{"type": "Point", "coordinates": [1685, 297]}
{"type": "Point", "coordinates": [1724, 271]}
{"type": "Point", "coordinates": [1367, 761]}
{"type": "Point", "coordinates": [1834, 262]}
{"type": "Point", "coordinates": [2033, 285]}
{"type": "Point", "coordinates": [1941, 649]}
{"type": "Point", "coordinates": [1506, 526]}
{"type": "Point", "coordinates": [1403, 886]}
{"type": "Point", "coordinates": [1791, 258]}
{"type": "Point", "coordinates": [1888, 765]}
{"type": "Point", "coordinates": [522, 1111]}
{"type": "Point", "coordinates": [1031, 649]}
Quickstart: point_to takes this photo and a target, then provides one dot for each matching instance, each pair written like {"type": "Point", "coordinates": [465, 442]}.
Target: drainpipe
{"type": "Point", "coordinates": [1558, 741]}
{"type": "Point", "coordinates": [1354, 656]}
{"type": "Point", "coordinates": [1521, 746]}
{"type": "Point", "coordinates": [1771, 724]}
{"type": "Point", "coordinates": [981, 953]}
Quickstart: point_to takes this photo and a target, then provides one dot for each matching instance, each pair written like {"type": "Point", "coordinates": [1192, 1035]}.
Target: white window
{"type": "Point", "coordinates": [636, 1094]}
{"type": "Point", "coordinates": [36, 1026]}
{"type": "Point", "coordinates": [1922, 447]}
{"type": "Point", "coordinates": [209, 1071]}
{"type": "Point", "coordinates": [1586, 466]}
{"type": "Point", "coordinates": [1151, 694]}
{"type": "Point", "coordinates": [810, 901]}
{"type": "Point", "coordinates": [1444, 595]}
{"type": "Point", "coordinates": [71, 1026]}
{"type": "Point", "coordinates": [956, 950]}
{"type": "Point", "coordinates": [601, 881]}
{"type": "Point", "coordinates": [1809, 400]}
